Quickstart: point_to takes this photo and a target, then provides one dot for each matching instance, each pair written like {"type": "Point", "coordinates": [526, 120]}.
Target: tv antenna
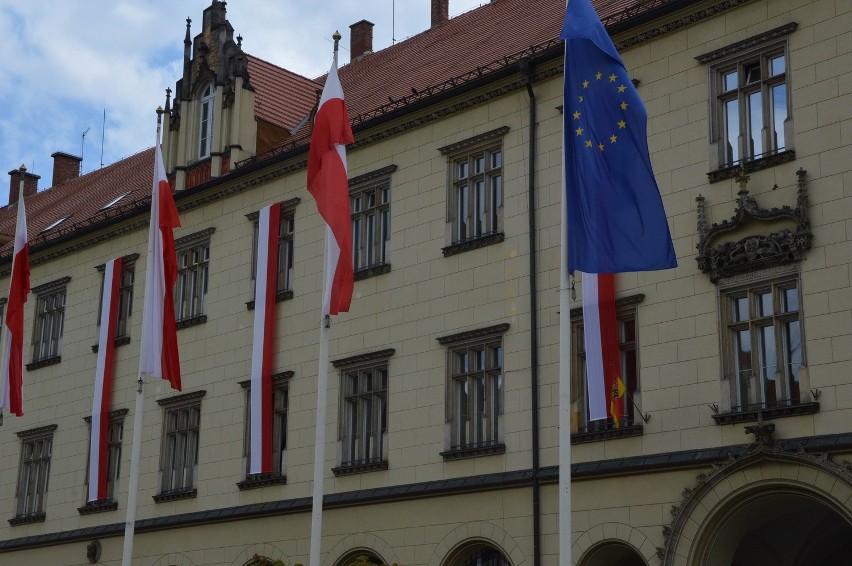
{"type": "Point", "coordinates": [82, 145]}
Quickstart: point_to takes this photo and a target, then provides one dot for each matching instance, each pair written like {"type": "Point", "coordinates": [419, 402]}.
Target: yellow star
{"type": "Point", "coordinates": [600, 146]}
{"type": "Point", "coordinates": [579, 131]}
{"type": "Point", "coordinates": [612, 78]}
{"type": "Point", "coordinates": [621, 88]}
{"type": "Point", "coordinates": [622, 124]}
{"type": "Point", "coordinates": [580, 98]}
{"type": "Point", "coordinates": [598, 75]}
{"type": "Point", "coordinates": [612, 138]}
{"type": "Point", "coordinates": [624, 106]}
{"type": "Point", "coordinates": [576, 115]}
{"type": "Point", "coordinates": [585, 84]}
{"type": "Point", "coordinates": [588, 143]}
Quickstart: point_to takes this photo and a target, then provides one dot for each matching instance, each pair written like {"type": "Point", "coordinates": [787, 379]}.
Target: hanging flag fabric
{"type": "Point", "coordinates": [266, 285]}
{"type": "Point", "coordinates": [603, 360]}
{"type": "Point", "coordinates": [12, 370]}
{"type": "Point", "coordinates": [329, 185]}
{"type": "Point", "coordinates": [616, 220]}
{"type": "Point", "coordinates": [158, 356]}
{"type": "Point", "coordinates": [99, 440]}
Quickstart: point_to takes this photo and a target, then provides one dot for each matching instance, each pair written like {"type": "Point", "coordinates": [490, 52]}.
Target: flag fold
{"type": "Point", "coordinates": [603, 359]}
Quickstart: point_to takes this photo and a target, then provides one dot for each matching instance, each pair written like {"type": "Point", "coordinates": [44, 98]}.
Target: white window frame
{"type": "Point", "coordinates": [33, 474]}
{"type": "Point", "coordinates": [178, 471]}
{"type": "Point", "coordinates": [280, 414]}
{"type": "Point", "coordinates": [193, 263]}
{"type": "Point", "coordinates": [49, 320]}
{"type": "Point", "coordinates": [206, 107]}
{"type": "Point", "coordinates": [370, 208]}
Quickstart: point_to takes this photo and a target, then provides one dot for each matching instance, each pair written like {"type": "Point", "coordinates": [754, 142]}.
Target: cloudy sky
{"type": "Point", "coordinates": [66, 62]}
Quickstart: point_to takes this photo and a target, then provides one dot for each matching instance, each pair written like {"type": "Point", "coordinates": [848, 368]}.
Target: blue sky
{"type": "Point", "coordinates": [67, 62]}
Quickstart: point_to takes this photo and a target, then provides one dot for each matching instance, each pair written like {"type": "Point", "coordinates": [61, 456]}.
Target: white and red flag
{"type": "Point", "coordinates": [104, 370]}
{"type": "Point", "coordinates": [329, 184]}
{"type": "Point", "coordinates": [266, 286]}
{"type": "Point", "coordinates": [603, 360]}
{"type": "Point", "coordinates": [158, 356]}
{"type": "Point", "coordinates": [12, 370]}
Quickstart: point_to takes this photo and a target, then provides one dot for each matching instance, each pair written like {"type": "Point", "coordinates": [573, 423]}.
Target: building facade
{"type": "Point", "coordinates": [442, 444]}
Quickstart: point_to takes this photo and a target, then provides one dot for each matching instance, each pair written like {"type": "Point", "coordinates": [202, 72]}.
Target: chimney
{"type": "Point", "coordinates": [30, 183]}
{"type": "Point", "coordinates": [65, 167]}
{"type": "Point", "coordinates": [360, 39]}
{"type": "Point", "coordinates": [440, 11]}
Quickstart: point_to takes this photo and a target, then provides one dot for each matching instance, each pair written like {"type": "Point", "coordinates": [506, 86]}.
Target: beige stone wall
{"type": "Point", "coordinates": [426, 295]}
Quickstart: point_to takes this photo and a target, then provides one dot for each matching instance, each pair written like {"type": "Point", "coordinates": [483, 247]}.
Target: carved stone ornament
{"type": "Point", "coordinates": [759, 249]}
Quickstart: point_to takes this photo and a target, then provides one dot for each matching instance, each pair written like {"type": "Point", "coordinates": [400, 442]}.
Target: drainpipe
{"type": "Point", "coordinates": [525, 67]}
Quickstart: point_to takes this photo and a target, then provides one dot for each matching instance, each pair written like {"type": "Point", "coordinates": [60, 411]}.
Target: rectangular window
{"type": "Point", "coordinates": [750, 106]}
{"type": "Point", "coordinates": [477, 193]}
{"type": "Point", "coordinates": [49, 320]}
{"type": "Point", "coordinates": [763, 344]}
{"type": "Point", "coordinates": [370, 208]}
{"type": "Point", "coordinates": [364, 414]}
{"type": "Point", "coordinates": [33, 473]}
{"type": "Point", "coordinates": [627, 340]}
{"type": "Point", "coordinates": [286, 231]}
{"type": "Point", "coordinates": [193, 259]}
{"type": "Point", "coordinates": [125, 296]}
{"type": "Point", "coordinates": [280, 405]}
{"type": "Point", "coordinates": [115, 436]}
{"type": "Point", "coordinates": [179, 459]}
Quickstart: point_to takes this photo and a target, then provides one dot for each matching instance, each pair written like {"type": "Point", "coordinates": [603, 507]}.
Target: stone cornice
{"type": "Point", "coordinates": [126, 261]}
{"type": "Point", "coordinates": [372, 176]}
{"type": "Point", "coordinates": [279, 377]}
{"type": "Point", "coordinates": [285, 206]}
{"type": "Point", "coordinates": [747, 44]}
{"type": "Point", "coordinates": [114, 414]}
{"type": "Point", "coordinates": [183, 398]}
{"type": "Point", "coordinates": [36, 432]}
{"type": "Point", "coordinates": [195, 238]}
{"type": "Point", "coordinates": [364, 358]}
{"type": "Point", "coordinates": [50, 286]}
{"type": "Point", "coordinates": [487, 332]}
{"type": "Point", "coordinates": [474, 141]}
{"type": "Point", "coordinates": [621, 303]}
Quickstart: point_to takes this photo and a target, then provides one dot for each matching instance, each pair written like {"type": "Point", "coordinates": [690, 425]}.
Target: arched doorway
{"type": "Point", "coordinates": [783, 529]}
{"type": "Point", "coordinates": [612, 554]}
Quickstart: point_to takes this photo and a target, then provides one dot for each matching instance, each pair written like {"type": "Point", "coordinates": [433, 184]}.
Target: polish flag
{"type": "Point", "coordinates": [158, 356]}
{"type": "Point", "coordinates": [98, 443]}
{"type": "Point", "coordinates": [12, 370]}
{"type": "Point", "coordinates": [603, 360]}
{"type": "Point", "coordinates": [329, 184]}
{"type": "Point", "coordinates": [266, 285]}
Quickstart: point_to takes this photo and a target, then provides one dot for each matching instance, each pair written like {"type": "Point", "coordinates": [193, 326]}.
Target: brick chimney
{"type": "Point", "coordinates": [360, 39]}
{"type": "Point", "coordinates": [65, 167]}
{"type": "Point", "coordinates": [440, 11]}
{"type": "Point", "coordinates": [30, 183]}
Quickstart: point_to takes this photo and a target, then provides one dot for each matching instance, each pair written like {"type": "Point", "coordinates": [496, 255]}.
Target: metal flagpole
{"type": "Point", "coordinates": [564, 379]}
{"type": "Point", "coordinates": [136, 450]}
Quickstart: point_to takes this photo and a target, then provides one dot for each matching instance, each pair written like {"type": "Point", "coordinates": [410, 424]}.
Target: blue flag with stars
{"type": "Point", "coordinates": [616, 221]}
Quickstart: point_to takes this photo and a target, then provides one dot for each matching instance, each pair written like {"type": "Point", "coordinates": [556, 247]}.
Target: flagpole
{"type": "Point", "coordinates": [564, 378]}
{"type": "Point", "coordinates": [136, 450]}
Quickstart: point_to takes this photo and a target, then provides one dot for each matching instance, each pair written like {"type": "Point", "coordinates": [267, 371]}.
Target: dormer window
{"type": "Point", "coordinates": [114, 201]}
{"type": "Point", "coordinates": [205, 130]}
{"type": "Point", "coordinates": [56, 223]}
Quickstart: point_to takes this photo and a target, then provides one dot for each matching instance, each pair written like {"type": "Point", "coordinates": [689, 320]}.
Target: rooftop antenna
{"type": "Point", "coordinates": [393, 22]}
{"type": "Point", "coordinates": [82, 144]}
{"type": "Point", "coordinates": [103, 134]}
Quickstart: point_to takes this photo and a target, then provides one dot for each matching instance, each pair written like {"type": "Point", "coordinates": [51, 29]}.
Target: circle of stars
{"type": "Point", "coordinates": [620, 125]}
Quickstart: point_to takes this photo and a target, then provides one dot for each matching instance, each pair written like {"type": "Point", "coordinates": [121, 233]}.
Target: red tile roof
{"type": "Point", "coordinates": [282, 97]}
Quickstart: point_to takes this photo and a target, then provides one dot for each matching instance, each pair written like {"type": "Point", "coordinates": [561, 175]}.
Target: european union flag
{"type": "Point", "coordinates": [616, 220]}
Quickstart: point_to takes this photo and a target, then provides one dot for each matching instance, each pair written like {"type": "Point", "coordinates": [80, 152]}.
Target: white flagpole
{"type": "Point", "coordinates": [564, 380]}
{"type": "Point", "coordinates": [319, 442]}
{"type": "Point", "coordinates": [136, 450]}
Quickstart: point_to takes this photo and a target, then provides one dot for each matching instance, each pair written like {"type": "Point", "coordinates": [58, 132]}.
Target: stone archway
{"type": "Point", "coordinates": [767, 497]}
{"type": "Point", "coordinates": [612, 553]}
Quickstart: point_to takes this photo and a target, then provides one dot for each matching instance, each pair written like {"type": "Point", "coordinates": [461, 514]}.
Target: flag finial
{"type": "Point", "coordinates": [336, 37]}
{"type": "Point", "coordinates": [22, 168]}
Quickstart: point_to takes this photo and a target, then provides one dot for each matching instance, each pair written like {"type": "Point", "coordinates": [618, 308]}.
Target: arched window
{"type": "Point", "coordinates": [479, 555]}
{"type": "Point", "coordinates": [205, 129]}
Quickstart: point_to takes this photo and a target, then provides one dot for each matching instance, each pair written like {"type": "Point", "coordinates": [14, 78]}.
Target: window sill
{"type": "Point", "coordinates": [191, 321]}
{"type": "Point", "coordinates": [751, 166]}
{"type": "Point", "coordinates": [473, 244]}
{"type": "Point", "coordinates": [372, 271]}
{"type": "Point", "coordinates": [608, 434]}
{"type": "Point", "coordinates": [98, 506]}
{"type": "Point", "coordinates": [120, 341]}
{"type": "Point", "coordinates": [27, 519]}
{"type": "Point", "coordinates": [253, 481]}
{"type": "Point", "coordinates": [279, 296]}
{"type": "Point", "coordinates": [175, 494]}
{"type": "Point", "coordinates": [43, 363]}
{"type": "Point", "coordinates": [358, 468]}
{"type": "Point", "coordinates": [473, 451]}
{"type": "Point", "coordinates": [751, 415]}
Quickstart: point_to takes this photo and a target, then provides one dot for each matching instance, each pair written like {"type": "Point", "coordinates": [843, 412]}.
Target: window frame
{"type": "Point", "coordinates": [463, 439]}
{"type": "Point", "coordinates": [355, 456]}
{"type": "Point", "coordinates": [583, 430]}
{"type": "Point", "coordinates": [125, 299]}
{"type": "Point", "coordinates": [114, 447]}
{"type": "Point", "coordinates": [735, 392]}
{"type": "Point", "coordinates": [371, 246]}
{"type": "Point", "coordinates": [31, 507]}
{"type": "Point", "coordinates": [739, 59]}
{"type": "Point", "coordinates": [206, 111]}
{"type": "Point", "coordinates": [280, 419]}
{"type": "Point", "coordinates": [172, 488]}
{"type": "Point", "coordinates": [287, 237]}
{"type": "Point", "coordinates": [48, 317]}
{"type": "Point", "coordinates": [191, 301]}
